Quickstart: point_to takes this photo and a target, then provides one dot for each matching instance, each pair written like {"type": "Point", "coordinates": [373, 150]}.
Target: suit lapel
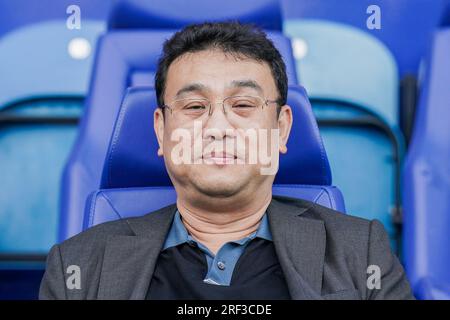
{"type": "Point", "coordinates": [300, 246]}
{"type": "Point", "coordinates": [129, 261]}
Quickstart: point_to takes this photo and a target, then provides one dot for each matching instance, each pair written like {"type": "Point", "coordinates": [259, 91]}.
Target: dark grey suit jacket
{"type": "Point", "coordinates": [323, 254]}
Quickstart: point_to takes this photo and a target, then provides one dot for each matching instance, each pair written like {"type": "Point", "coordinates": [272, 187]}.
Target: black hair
{"type": "Point", "coordinates": [231, 37]}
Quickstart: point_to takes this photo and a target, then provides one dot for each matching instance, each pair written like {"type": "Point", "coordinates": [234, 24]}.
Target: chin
{"type": "Point", "coordinates": [218, 192]}
{"type": "Point", "coordinates": [220, 187]}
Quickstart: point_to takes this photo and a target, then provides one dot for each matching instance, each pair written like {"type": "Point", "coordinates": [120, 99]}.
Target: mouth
{"type": "Point", "coordinates": [219, 158]}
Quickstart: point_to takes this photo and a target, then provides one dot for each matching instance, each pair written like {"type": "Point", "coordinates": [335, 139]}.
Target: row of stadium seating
{"type": "Point", "coordinates": [352, 76]}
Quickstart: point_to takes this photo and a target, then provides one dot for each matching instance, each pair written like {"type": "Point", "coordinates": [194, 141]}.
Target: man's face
{"type": "Point", "coordinates": [219, 157]}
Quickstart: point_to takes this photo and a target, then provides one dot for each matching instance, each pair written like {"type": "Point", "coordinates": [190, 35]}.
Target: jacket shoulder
{"type": "Point", "coordinates": [343, 225]}
{"type": "Point", "coordinates": [339, 220]}
{"type": "Point", "coordinates": [98, 234]}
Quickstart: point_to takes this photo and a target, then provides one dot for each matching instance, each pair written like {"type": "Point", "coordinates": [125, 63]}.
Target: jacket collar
{"type": "Point", "coordinates": [300, 246]}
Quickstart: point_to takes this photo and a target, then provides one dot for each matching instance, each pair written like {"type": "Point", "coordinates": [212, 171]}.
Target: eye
{"type": "Point", "coordinates": [194, 107]}
{"type": "Point", "coordinates": [244, 104]}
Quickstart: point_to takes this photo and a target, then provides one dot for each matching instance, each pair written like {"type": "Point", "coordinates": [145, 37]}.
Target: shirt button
{"type": "Point", "coordinates": [221, 265]}
{"type": "Point", "coordinates": [191, 243]}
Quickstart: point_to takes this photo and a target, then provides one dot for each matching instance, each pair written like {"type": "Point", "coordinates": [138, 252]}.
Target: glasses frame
{"type": "Point", "coordinates": [265, 102]}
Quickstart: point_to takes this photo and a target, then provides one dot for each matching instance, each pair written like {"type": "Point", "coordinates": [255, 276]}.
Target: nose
{"type": "Point", "coordinates": [217, 126]}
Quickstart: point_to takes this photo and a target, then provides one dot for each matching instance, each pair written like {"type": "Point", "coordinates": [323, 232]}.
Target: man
{"type": "Point", "coordinates": [226, 237]}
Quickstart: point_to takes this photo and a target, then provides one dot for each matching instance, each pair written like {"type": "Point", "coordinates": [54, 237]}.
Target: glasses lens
{"type": "Point", "coordinates": [243, 106]}
{"type": "Point", "coordinates": [191, 108]}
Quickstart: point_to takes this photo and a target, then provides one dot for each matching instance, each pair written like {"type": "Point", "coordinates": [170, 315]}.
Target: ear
{"type": "Point", "coordinates": [284, 126]}
{"type": "Point", "coordinates": [158, 126]}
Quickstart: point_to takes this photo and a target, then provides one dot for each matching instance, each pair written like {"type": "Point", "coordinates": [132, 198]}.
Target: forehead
{"type": "Point", "coordinates": [217, 71]}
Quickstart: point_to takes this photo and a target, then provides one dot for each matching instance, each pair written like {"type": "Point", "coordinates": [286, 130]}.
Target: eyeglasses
{"type": "Point", "coordinates": [234, 107]}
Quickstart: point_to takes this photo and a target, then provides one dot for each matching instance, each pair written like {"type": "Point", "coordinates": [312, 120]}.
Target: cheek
{"type": "Point", "coordinates": [272, 118]}
{"type": "Point", "coordinates": [177, 147]}
{"type": "Point", "coordinates": [170, 136]}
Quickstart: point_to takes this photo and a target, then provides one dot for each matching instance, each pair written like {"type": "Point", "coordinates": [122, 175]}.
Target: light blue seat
{"type": "Point", "coordinates": [337, 61]}
{"type": "Point", "coordinates": [406, 25]}
{"type": "Point", "coordinates": [405, 28]}
{"type": "Point", "coordinates": [352, 82]}
{"type": "Point", "coordinates": [41, 97]}
{"type": "Point", "coordinates": [50, 70]}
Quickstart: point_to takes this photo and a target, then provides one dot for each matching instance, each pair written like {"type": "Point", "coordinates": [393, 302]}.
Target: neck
{"type": "Point", "coordinates": [214, 229]}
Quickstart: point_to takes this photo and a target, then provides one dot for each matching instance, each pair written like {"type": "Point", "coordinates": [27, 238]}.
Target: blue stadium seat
{"type": "Point", "coordinates": [125, 57]}
{"type": "Point", "coordinates": [426, 181]}
{"type": "Point", "coordinates": [135, 181]}
{"type": "Point", "coordinates": [54, 61]}
{"type": "Point", "coordinates": [352, 82]}
{"type": "Point", "coordinates": [22, 13]}
{"type": "Point", "coordinates": [40, 102]}
{"type": "Point", "coordinates": [406, 25]}
{"type": "Point", "coordinates": [160, 14]}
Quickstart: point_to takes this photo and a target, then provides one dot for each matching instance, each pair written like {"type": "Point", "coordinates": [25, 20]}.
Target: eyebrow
{"type": "Point", "coordinates": [247, 84]}
{"type": "Point", "coordinates": [234, 84]}
{"type": "Point", "coordinates": [191, 88]}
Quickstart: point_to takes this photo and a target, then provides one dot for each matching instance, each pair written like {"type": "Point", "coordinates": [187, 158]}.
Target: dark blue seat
{"type": "Point", "coordinates": [125, 57]}
{"type": "Point", "coordinates": [426, 181]}
{"type": "Point", "coordinates": [160, 14]}
{"type": "Point", "coordinates": [135, 181]}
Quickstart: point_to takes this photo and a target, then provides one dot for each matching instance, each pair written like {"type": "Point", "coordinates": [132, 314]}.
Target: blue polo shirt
{"type": "Point", "coordinates": [246, 269]}
{"type": "Point", "coordinates": [221, 265]}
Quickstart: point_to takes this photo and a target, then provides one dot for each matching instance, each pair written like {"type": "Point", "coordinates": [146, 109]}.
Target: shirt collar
{"type": "Point", "coordinates": [178, 233]}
